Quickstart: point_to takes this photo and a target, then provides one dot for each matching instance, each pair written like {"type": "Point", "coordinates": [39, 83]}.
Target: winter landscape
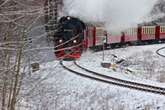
{"type": "Point", "coordinates": [32, 77]}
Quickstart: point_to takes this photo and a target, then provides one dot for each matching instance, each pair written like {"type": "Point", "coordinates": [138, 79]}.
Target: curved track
{"type": "Point", "coordinates": [158, 52]}
{"type": "Point", "coordinates": [83, 72]}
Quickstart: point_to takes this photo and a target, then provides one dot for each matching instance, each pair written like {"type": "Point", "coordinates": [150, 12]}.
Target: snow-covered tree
{"type": "Point", "coordinates": [18, 24]}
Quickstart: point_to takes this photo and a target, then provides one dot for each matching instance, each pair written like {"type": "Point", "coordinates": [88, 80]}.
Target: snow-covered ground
{"type": "Point", "coordinates": [58, 89]}
{"type": "Point", "coordinates": [142, 61]}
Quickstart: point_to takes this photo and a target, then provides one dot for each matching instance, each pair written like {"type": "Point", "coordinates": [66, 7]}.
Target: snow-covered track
{"type": "Point", "coordinates": [158, 52]}
{"type": "Point", "coordinates": [84, 72]}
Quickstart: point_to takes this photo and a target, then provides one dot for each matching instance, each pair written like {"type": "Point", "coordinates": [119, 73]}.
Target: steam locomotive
{"type": "Point", "coordinates": [73, 36]}
{"type": "Point", "coordinates": [69, 38]}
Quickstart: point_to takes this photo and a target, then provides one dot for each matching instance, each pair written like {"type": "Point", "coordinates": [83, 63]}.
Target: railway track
{"type": "Point", "coordinates": [158, 52]}
{"type": "Point", "coordinates": [77, 69]}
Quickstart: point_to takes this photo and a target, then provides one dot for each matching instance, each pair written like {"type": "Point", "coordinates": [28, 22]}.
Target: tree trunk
{"type": "Point", "coordinates": [17, 79]}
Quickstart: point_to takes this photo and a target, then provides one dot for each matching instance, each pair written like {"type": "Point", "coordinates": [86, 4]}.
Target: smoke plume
{"type": "Point", "coordinates": [116, 14]}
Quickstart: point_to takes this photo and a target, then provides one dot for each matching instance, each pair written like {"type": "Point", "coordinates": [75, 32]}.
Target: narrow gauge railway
{"type": "Point", "coordinates": [86, 73]}
{"type": "Point", "coordinates": [60, 29]}
{"type": "Point", "coordinates": [91, 36]}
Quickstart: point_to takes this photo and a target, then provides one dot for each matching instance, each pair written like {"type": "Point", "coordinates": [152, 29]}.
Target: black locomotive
{"type": "Point", "coordinates": [69, 38]}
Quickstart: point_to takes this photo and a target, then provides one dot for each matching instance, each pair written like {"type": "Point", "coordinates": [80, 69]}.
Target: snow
{"type": "Point", "coordinates": [53, 88]}
{"type": "Point", "coordinates": [135, 57]}
{"type": "Point", "coordinates": [63, 90]}
{"type": "Point", "coordinates": [115, 18]}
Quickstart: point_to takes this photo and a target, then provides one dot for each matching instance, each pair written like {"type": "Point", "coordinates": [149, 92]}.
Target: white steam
{"type": "Point", "coordinates": [117, 14]}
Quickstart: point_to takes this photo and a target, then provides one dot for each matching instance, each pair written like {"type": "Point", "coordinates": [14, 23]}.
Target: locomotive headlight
{"type": "Point", "coordinates": [60, 41]}
{"type": "Point", "coordinates": [68, 18]}
{"type": "Point", "coordinates": [74, 41]}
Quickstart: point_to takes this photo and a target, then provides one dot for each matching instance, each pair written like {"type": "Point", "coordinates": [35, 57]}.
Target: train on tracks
{"type": "Point", "coordinates": [73, 36]}
{"type": "Point", "coordinates": [69, 38]}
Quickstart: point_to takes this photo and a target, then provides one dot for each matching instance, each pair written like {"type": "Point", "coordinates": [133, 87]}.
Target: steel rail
{"type": "Point", "coordinates": [114, 81]}
{"type": "Point", "coordinates": [157, 52]}
{"type": "Point", "coordinates": [117, 79]}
